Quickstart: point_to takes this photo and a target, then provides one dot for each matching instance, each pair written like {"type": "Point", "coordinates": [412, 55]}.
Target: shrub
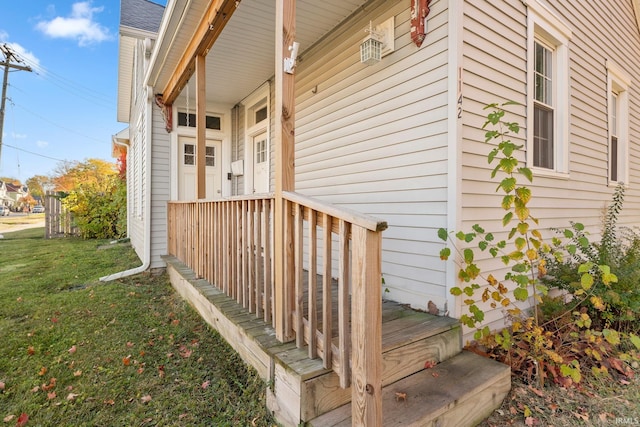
{"type": "Point", "coordinates": [100, 210]}
{"type": "Point", "coordinates": [610, 305]}
{"type": "Point", "coordinates": [553, 340]}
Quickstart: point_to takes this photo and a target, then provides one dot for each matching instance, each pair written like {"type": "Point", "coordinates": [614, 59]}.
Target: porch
{"type": "Point", "coordinates": [322, 337]}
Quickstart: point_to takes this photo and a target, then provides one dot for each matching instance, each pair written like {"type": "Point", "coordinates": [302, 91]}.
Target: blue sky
{"type": "Point", "coordinates": [65, 110]}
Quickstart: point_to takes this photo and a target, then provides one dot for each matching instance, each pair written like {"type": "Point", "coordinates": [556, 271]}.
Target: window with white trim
{"type": "Point", "coordinates": [618, 112]}
{"type": "Point", "coordinates": [543, 106]}
{"type": "Point", "coordinates": [548, 93]}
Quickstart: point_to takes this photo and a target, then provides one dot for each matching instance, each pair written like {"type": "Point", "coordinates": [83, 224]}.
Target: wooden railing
{"type": "Point", "coordinates": [332, 287]}
{"type": "Point", "coordinates": [228, 243]}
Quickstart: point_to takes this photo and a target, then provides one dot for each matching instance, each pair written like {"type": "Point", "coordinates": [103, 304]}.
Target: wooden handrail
{"type": "Point", "coordinates": [356, 218]}
{"type": "Point", "coordinates": [333, 251]}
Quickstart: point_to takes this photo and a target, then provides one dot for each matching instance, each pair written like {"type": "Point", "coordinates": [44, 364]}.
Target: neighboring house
{"type": "Point", "coordinates": [4, 197]}
{"type": "Point", "coordinates": [15, 193]}
{"type": "Point", "coordinates": [400, 139]}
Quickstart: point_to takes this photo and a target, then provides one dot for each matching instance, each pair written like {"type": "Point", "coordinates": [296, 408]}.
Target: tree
{"type": "Point", "coordinates": [38, 185]}
{"type": "Point", "coordinates": [71, 175]}
{"type": "Point", "coordinates": [9, 180]}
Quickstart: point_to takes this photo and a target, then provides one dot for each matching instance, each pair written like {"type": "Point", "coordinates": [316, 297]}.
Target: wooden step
{"type": "Point", "coordinates": [409, 340]}
{"type": "Point", "coordinates": [461, 391]}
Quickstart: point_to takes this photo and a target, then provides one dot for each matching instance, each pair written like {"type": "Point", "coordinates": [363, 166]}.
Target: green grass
{"type": "Point", "coordinates": [78, 352]}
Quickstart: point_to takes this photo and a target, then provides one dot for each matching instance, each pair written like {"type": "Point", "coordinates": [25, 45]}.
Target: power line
{"type": "Point", "coordinates": [71, 87]}
{"type": "Point", "coordinates": [60, 126]}
{"type": "Point", "coordinates": [35, 154]}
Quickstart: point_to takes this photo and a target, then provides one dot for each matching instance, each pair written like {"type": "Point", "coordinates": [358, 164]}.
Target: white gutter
{"type": "Point", "coordinates": [147, 201]}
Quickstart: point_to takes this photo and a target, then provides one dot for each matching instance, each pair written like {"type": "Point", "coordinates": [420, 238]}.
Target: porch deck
{"type": "Point", "coordinates": [302, 390]}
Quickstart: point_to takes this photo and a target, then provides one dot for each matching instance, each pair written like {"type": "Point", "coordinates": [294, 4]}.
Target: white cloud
{"type": "Point", "coordinates": [79, 25]}
{"type": "Point", "coordinates": [42, 144]}
{"type": "Point", "coordinates": [18, 135]}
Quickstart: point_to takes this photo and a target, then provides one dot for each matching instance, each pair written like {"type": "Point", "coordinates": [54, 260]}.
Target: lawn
{"type": "Point", "coordinates": [79, 352]}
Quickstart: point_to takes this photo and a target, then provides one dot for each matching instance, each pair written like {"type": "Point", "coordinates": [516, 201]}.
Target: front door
{"type": "Point", "coordinates": [260, 163]}
{"type": "Point", "coordinates": [187, 181]}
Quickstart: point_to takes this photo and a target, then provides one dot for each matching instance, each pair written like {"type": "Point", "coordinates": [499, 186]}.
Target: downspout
{"type": "Point", "coordinates": [147, 201]}
{"type": "Point", "coordinates": [126, 146]}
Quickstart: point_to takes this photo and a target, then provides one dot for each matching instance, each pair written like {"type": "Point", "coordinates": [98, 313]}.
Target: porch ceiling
{"type": "Point", "coordinates": [242, 57]}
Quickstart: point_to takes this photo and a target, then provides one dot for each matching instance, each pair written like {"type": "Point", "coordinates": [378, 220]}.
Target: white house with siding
{"type": "Point", "coordinates": [400, 139]}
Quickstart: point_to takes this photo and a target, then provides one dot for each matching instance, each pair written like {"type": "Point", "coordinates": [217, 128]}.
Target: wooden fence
{"type": "Point", "coordinates": [58, 221]}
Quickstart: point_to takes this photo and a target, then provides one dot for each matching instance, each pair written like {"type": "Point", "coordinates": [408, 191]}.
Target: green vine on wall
{"type": "Point", "coordinates": [524, 252]}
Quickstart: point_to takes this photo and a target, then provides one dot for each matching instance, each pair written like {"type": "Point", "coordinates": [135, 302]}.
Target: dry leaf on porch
{"type": "Point", "coordinates": [432, 308]}
{"type": "Point", "coordinates": [401, 396]}
{"type": "Point", "coordinates": [430, 364]}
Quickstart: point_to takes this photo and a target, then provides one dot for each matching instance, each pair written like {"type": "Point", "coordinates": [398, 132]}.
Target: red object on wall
{"type": "Point", "coordinates": [419, 13]}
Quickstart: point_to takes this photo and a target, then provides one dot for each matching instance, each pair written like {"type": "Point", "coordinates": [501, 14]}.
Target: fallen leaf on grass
{"type": "Point", "coordinates": [31, 351]}
{"type": "Point", "coordinates": [72, 396]}
{"type": "Point", "coordinates": [72, 349]}
{"type": "Point", "coordinates": [129, 344]}
{"type": "Point", "coordinates": [530, 421]}
{"type": "Point", "coordinates": [206, 384]}
{"type": "Point", "coordinates": [77, 373]}
{"type": "Point", "coordinates": [536, 391]}
{"type": "Point", "coordinates": [126, 361]}
{"type": "Point", "coordinates": [583, 417]}
{"type": "Point", "coordinates": [110, 402]}
{"type": "Point", "coordinates": [51, 395]}
{"type": "Point", "coordinates": [2, 385]}
{"type": "Point", "coordinates": [146, 399]}
{"type": "Point", "coordinates": [161, 371]}
{"type": "Point", "coordinates": [51, 385]}
{"type": "Point", "coordinates": [22, 420]}
{"type": "Point", "coordinates": [8, 418]}
{"type": "Point", "coordinates": [43, 371]}
{"type": "Point", "coordinates": [185, 352]}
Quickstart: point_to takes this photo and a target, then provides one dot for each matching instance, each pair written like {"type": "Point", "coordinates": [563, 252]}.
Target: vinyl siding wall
{"type": "Point", "coordinates": [161, 188]}
{"type": "Point", "coordinates": [495, 64]}
{"type": "Point", "coordinates": [137, 156]}
{"type": "Point", "coordinates": [374, 139]}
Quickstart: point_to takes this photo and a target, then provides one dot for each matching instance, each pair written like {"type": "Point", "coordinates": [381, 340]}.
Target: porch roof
{"type": "Point", "coordinates": [245, 49]}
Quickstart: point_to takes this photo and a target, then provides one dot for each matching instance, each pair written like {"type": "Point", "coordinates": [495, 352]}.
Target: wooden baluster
{"type": "Point", "coordinates": [312, 308]}
{"type": "Point", "coordinates": [327, 292]}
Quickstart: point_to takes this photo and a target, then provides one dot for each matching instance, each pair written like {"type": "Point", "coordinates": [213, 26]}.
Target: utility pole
{"type": "Point", "coordinates": [10, 59]}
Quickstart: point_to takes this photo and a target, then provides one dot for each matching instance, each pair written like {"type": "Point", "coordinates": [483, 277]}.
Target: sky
{"type": "Point", "coordinates": [65, 109]}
